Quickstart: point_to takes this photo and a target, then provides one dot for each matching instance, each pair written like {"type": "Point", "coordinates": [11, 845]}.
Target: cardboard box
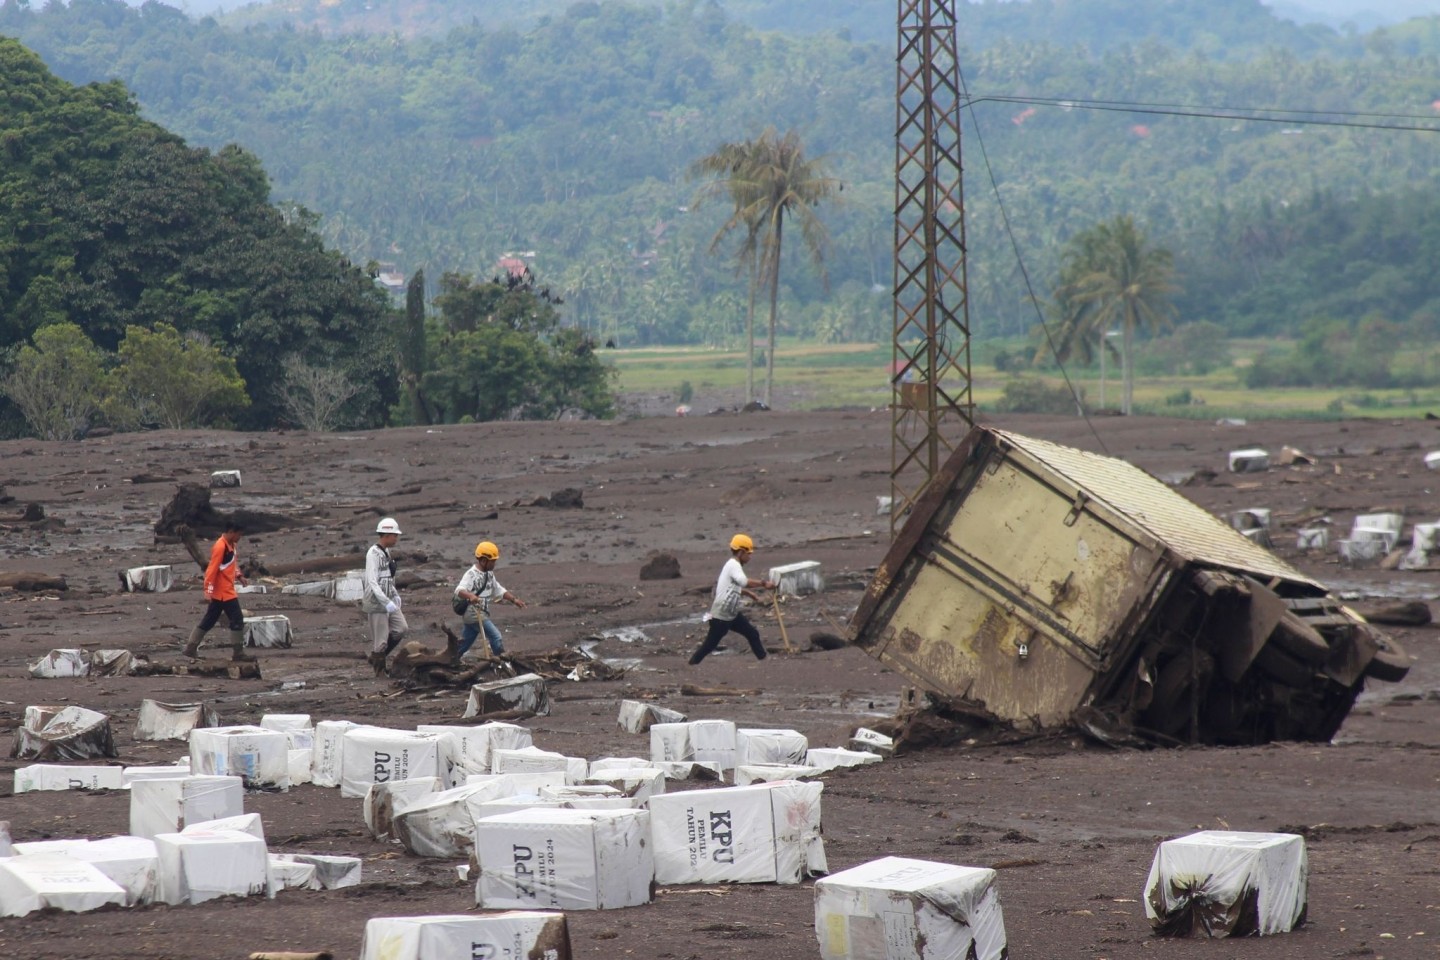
{"type": "Point", "coordinates": [169, 805]}
{"type": "Point", "coordinates": [592, 797]}
{"type": "Point", "coordinates": [269, 631]}
{"type": "Point", "coordinates": [439, 824]}
{"type": "Point", "coordinates": [670, 743]}
{"type": "Point", "coordinates": [379, 755]}
{"type": "Point", "coordinates": [513, 935]}
{"type": "Point", "coordinates": [1223, 883]}
{"type": "Point", "coordinates": [286, 873]}
{"type": "Point", "coordinates": [535, 760]}
{"type": "Point", "coordinates": [297, 727]}
{"type": "Point", "coordinates": [473, 746]}
{"type": "Point", "coordinates": [714, 742]}
{"type": "Point", "coordinates": [257, 756]}
{"type": "Point", "coordinates": [130, 862]}
{"type": "Point", "coordinates": [748, 773]}
{"type": "Point", "coordinates": [830, 758]}
{"type": "Point", "coordinates": [638, 783]}
{"type": "Point", "coordinates": [896, 908]}
{"type": "Point", "coordinates": [55, 776]}
{"type": "Point", "coordinates": [152, 579]}
{"type": "Point", "coordinates": [762, 833]}
{"type": "Point", "coordinates": [385, 801]}
{"type": "Point", "coordinates": [172, 721]}
{"type": "Point", "coordinates": [637, 716]}
{"type": "Point", "coordinates": [770, 746]}
{"type": "Point", "coordinates": [128, 775]}
{"type": "Point", "coordinates": [526, 692]}
{"type": "Point", "coordinates": [59, 664]}
{"type": "Point", "coordinates": [328, 758]}
{"type": "Point", "coordinates": [202, 865]}
{"type": "Point", "coordinates": [54, 880]}
{"type": "Point", "coordinates": [332, 873]}
{"type": "Point", "coordinates": [564, 860]}
{"type": "Point", "coordinates": [73, 733]}
{"type": "Point", "coordinates": [244, 823]}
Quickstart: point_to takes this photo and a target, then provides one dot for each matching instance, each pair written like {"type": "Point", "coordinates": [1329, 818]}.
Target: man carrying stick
{"type": "Point", "coordinates": [725, 612]}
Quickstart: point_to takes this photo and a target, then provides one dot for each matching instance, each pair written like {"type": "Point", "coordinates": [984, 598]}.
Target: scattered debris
{"type": "Point", "coordinates": [1413, 613]}
{"type": "Point", "coordinates": [1251, 460]}
{"type": "Point", "coordinates": [153, 579]}
{"type": "Point", "coordinates": [191, 507]}
{"type": "Point", "coordinates": [225, 478]}
{"type": "Point", "coordinates": [29, 582]}
{"type": "Point", "coordinates": [661, 566]}
{"type": "Point", "coordinates": [73, 733]}
{"type": "Point", "coordinates": [638, 717]}
{"type": "Point", "coordinates": [268, 631]}
{"type": "Point", "coordinates": [797, 579]}
{"type": "Point", "coordinates": [568, 498]}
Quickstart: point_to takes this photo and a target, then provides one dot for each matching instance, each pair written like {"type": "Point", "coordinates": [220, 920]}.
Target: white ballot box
{"type": "Point", "coordinates": [896, 908]}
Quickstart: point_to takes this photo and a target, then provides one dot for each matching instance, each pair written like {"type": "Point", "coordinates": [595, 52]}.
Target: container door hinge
{"type": "Point", "coordinates": [1078, 507]}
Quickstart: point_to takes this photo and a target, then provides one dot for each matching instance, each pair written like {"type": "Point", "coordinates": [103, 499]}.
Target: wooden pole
{"type": "Point", "coordinates": [784, 636]}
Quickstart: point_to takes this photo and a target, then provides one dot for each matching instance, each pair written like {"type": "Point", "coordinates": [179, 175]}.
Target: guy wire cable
{"type": "Point", "coordinates": [1212, 114]}
{"type": "Point", "coordinates": [1024, 271]}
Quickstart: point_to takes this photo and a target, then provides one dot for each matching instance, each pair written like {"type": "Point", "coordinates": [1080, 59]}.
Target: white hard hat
{"type": "Point", "coordinates": [387, 525]}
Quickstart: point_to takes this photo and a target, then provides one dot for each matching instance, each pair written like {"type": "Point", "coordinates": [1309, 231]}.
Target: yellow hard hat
{"type": "Point", "coordinates": [741, 542]}
{"type": "Point", "coordinates": [486, 550]}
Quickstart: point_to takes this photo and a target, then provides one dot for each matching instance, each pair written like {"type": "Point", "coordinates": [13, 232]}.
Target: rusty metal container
{"type": "Point", "coordinates": [1037, 585]}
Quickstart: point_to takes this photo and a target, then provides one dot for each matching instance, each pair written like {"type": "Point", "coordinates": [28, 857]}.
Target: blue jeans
{"type": "Point", "coordinates": [472, 631]}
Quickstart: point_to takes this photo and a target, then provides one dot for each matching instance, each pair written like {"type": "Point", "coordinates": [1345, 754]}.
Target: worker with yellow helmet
{"type": "Point", "coordinates": [473, 595]}
{"type": "Point", "coordinates": [725, 613]}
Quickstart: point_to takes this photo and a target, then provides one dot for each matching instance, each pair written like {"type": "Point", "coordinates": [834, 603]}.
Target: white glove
{"type": "Point", "coordinates": [391, 606]}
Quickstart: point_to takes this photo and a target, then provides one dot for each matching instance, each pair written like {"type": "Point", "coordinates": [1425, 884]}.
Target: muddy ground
{"type": "Point", "coordinates": [1071, 826]}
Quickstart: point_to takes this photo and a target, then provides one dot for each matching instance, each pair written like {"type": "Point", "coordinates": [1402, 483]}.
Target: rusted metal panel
{"type": "Point", "coordinates": [1186, 528]}
{"type": "Point", "coordinates": [1018, 602]}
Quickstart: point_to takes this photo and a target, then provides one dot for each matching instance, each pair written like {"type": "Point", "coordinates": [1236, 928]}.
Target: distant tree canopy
{"type": "Point", "coordinates": [499, 353]}
{"type": "Point", "coordinates": [113, 224]}
{"type": "Point", "coordinates": [569, 135]}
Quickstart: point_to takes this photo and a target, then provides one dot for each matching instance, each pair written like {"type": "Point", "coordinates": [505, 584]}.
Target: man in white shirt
{"type": "Point", "coordinates": [725, 613]}
{"type": "Point", "coordinates": [380, 602]}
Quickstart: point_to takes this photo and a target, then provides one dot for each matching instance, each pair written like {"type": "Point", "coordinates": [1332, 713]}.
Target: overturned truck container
{"type": "Point", "coordinates": [1037, 586]}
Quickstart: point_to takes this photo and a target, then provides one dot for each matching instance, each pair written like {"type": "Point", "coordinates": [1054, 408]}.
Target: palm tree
{"type": "Point", "coordinates": [769, 180]}
{"type": "Point", "coordinates": [1112, 275]}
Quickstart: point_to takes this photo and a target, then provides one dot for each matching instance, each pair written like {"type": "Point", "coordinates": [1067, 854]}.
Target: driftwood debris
{"type": "Point", "coordinates": [231, 669]}
{"type": "Point", "coordinates": [1414, 613]}
{"type": "Point", "coordinates": [331, 564]}
{"type": "Point", "coordinates": [418, 667]}
{"type": "Point", "coordinates": [191, 507]}
{"type": "Point", "coordinates": [692, 690]}
{"type": "Point", "coordinates": [31, 582]}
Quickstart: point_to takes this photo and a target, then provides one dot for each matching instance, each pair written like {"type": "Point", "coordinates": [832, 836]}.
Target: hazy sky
{"type": "Point", "coordinates": [1362, 13]}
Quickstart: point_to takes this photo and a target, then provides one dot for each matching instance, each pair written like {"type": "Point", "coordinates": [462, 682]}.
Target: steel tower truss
{"type": "Point", "coordinates": [932, 407]}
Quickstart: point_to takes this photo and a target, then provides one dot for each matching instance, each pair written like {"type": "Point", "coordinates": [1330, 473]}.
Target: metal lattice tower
{"type": "Point", "coordinates": [931, 407]}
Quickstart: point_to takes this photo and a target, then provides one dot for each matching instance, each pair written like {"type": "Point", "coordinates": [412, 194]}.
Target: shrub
{"type": "Point", "coordinates": [1033, 395]}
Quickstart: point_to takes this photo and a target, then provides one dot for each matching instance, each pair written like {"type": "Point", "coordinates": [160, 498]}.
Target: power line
{"type": "Point", "coordinates": [1295, 117]}
{"type": "Point", "coordinates": [1024, 271]}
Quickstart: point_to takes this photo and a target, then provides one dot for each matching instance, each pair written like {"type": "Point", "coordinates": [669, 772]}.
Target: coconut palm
{"type": "Point", "coordinates": [1111, 275]}
{"type": "Point", "coordinates": [769, 180]}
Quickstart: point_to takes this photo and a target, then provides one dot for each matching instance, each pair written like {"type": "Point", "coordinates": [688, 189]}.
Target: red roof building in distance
{"type": "Point", "coordinates": [513, 266]}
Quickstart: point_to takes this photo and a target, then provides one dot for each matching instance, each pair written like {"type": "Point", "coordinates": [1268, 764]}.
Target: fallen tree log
{"type": "Point", "coordinates": [331, 564]}
{"type": "Point", "coordinates": [692, 690]}
{"type": "Point", "coordinates": [30, 582]}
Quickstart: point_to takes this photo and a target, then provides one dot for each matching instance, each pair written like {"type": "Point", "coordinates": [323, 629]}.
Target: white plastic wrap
{"type": "Point", "coordinates": [514, 935]}
{"type": "Point", "coordinates": [670, 743]}
{"type": "Point", "coordinates": [474, 745]}
{"type": "Point", "coordinates": [58, 664]}
{"type": "Point", "coordinates": [748, 773]}
{"type": "Point", "coordinates": [73, 733]}
{"type": "Point", "coordinates": [639, 783]}
{"type": "Point", "coordinates": [385, 801]}
{"type": "Point", "coordinates": [770, 746]}
{"type": "Point", "coordinates": [287, 873]}
{"type": "Point", "coordinates": [258, 756]}
{"type": "Point", "coordinates": [831, 758]}
{"type": "Point", "coordinates": [762, 833]}
{"type": "Point", "coordinates": [172, 721]}
{"type": "Point", "coordinates": [379, 755]}
{"type": "Point", "coordinates": [714, 742]}
{"type": "Point", "coordinates": [328, 758]}
{"type": "Point", "coordinates": [169, 805]}
{"type": "Point", "coordinates": [526, 692]}
{"type": "Point", "coordinates": [564, 860]}
{"type": "Point", "coordinates": [896, 908]}
{"type": "Point", "coordinates": [637, 716]}
{"type": "Point", "coordinates": [439, 824]}
{"type": "Point", "coordinates": [332, 873]}
{"type": "Point", "coordinates": [202, 865]}
{"type": "Point", "coordinates": [54, 880]}
{"type": "Point", "coordinates": [1224, 883]}
{"type": "Point", "coordinates": [268, 631]}
{"type": "Point", "coordinates": [244, 823]}
{"type": "Point", "coordinates": [129, 775]}
{"type": "Point", "coordinates": [297, 727]}
{"type": "Point", "coordinates": [128, 861]}
{"type": "Point", "coordinates": [54, 776]}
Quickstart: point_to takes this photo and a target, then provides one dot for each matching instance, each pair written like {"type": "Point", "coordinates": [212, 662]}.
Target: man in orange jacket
{"type": "Point", "coordinates": [220, 577]}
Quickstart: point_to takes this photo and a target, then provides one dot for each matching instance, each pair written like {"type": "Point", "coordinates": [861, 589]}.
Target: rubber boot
{"type": "Point", "coordinates": [377, 662]}
{"type": "Point", "coordinates": [237, 645]}
{"type": "Point", "coordinates": [192, 646]}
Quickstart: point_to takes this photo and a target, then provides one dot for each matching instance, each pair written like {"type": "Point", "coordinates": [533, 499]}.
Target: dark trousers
{"type": "Point", "coordinates": [231, 609]}
{"type": "Point", "coordinates": [718, 629]}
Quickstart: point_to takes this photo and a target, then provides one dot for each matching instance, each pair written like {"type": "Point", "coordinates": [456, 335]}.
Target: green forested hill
{"type": "Point", "coordinates": [570, 139]}
{"type": "Point", "coordinates": [109, 222]}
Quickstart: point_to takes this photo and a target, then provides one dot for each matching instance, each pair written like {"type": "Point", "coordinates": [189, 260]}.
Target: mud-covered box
{"type": "Point", "coordinates": [1037, 585]}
